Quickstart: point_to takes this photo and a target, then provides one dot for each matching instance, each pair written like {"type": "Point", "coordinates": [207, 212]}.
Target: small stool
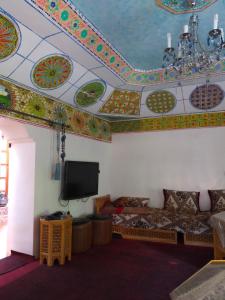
{"type": "Point", "coordinates": [102, 229]}
{"type": "Point", "coordinates": [81, 235]}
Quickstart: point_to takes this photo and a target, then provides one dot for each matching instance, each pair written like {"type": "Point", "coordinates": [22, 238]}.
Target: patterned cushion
{"type": "Point", "coordinates": [217, 198]}
{"type": "Point", "coordinates": [131, 202]}
{"type": "Point", "coordinates": [163, 219]}
{"type": "Point", "coordinates": [181, 201]}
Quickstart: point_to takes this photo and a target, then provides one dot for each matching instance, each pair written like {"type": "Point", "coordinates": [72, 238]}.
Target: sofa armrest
{"type": "Point", "coordinates": [100, 202]}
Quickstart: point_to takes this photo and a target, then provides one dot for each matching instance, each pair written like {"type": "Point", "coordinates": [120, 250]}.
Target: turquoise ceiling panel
{"type": "Point", "coordinates": [137, 29]}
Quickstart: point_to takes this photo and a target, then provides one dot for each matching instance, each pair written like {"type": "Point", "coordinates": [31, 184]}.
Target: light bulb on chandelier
{"type": "Point", "coordinates": [191, 57]}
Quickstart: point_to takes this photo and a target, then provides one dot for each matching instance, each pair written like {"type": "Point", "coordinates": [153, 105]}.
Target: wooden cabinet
{"type": "Point", "coordinates": [55, 240]}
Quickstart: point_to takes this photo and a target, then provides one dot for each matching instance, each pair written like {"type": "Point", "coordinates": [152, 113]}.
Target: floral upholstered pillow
{"type": "Point", "coordinates": [181, 201]}
{"type": "Point", "coordinates": [131, 202]}
{"type": "Point", "coordinates": [217, 198]}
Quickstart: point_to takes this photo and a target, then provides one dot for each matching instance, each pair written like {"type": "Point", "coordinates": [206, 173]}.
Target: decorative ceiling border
{"type": "Point", "coordinates": [184, 7]}
{"type": "Point", "coordinates": [25, 103]}
{"type": "Point", "coordinates": [65, 15]}
{"type": "Point", "coordinates": [169, 123]}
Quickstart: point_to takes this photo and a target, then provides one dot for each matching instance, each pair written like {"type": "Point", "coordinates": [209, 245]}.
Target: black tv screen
{"type": "Point", "coordinates": [79, 179]}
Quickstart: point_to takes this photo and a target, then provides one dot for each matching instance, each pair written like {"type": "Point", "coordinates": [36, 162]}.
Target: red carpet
{"type": "Point", "coordinates": [128, 270]}
{"type": "Point", "coordinates": [14, 261]}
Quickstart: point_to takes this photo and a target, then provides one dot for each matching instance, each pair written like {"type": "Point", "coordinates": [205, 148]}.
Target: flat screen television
{"type": "Point", "coordinates": [79, 179]}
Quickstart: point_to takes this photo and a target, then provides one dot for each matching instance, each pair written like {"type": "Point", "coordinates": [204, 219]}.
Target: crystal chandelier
{"type": "Point", "coordinates": [191, 57]}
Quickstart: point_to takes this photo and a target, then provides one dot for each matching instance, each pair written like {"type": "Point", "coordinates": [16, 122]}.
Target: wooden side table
{"type": "Point", "coordinates": [55, 240]}
{"type": "Point", "coordinates": [102, 230]}
{"type": "Point", "coordinates": [81, 235]}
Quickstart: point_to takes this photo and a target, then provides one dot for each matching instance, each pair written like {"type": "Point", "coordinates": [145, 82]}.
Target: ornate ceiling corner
{"type": "Point", "coordinates": [122, 103]}
{"type": "Point", "coordinates": [184, 6]}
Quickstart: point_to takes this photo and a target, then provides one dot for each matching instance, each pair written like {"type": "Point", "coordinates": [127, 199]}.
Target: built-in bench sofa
{"type": "Point", "coordinates": [132, 218]}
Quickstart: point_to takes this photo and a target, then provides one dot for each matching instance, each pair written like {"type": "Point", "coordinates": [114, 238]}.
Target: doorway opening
{"type": "Point", "coordinates": [4, 176]}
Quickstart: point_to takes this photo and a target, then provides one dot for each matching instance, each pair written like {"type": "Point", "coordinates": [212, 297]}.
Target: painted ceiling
{"type": "Point", "coordinates": [91, 55]}
{"type": "Point", "coordinates": [137, 29]}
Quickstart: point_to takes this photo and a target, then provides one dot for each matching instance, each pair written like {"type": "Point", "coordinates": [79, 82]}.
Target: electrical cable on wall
{"type": "Point", "coordinates": [85, 200]}
{"type": "Point", "coordinates": [63, 203]}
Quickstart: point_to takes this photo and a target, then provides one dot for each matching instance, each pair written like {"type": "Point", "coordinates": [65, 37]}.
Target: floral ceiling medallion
{"type": "Point", "coordinates": [90, 93]}
{"type": "Point", "coordinates": [161, 102]}
{"type": "Point", "coordinates": [206, 96]}
{"type": "Point", "coordinates": [184, 6]}
{"type": "Point", "coordinates": [9, 37]}
{"type": "Point", "coordinates": [52, 71]}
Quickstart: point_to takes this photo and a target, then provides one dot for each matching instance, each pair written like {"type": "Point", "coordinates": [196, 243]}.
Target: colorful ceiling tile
{"type": "Point", "coordinates": [122, 103]}
{"type": "Point", "coordinates": [170, 122]}
{"type": "Point", "coordinates": [42, 111]}
{"type": "Point", "coordinates": [161, 102]}
{"type": "Point", "coordinates": [184, 6]}
{"type": "Point", "coordinates": [9, 37]}
{"type": "Point", "coordinates": [90, 93]}
{"type": "Point", "coordinates": [206, 96]}
{"type": "Point", "coordinates": [52, 71]}
{"type": "Point", "coordinates": [67, 16]}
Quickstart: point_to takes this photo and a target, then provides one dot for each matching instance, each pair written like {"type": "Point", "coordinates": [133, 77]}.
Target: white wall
{"type": "Point", "coordinates": [145, 163]}
{"type": "Point", "coordinates": [47, 190]}
{"type": "Point", "coordinates": [77, 148]}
